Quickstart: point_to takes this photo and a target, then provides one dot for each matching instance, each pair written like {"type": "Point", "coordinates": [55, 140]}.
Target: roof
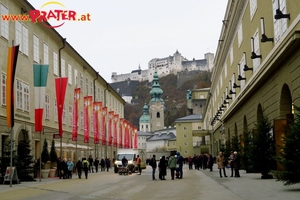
{"type": "Point", "coordinates": [142, 133]}
{"type": "Point", "coordinates": [162, 136]}
{"type": "Point", "coordinates": [189, 118]}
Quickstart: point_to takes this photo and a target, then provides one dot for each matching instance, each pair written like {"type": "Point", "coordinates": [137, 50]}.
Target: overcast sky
{"type": "Point", "coordinates": [124, 34]}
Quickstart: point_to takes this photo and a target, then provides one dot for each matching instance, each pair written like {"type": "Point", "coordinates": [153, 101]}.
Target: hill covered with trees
{"type": "Point", "coordinates": [175, 98]}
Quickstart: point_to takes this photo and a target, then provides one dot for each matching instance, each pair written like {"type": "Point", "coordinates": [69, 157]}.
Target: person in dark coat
{"type": "Point", "coordinates": [102, 164]}
{"type": "Point", "coordinates": [154, 166]}
{"type": "Point", "coordinates": [236, 163]}
{"type": "Point", "coordinates": [210, 162]}
{"type": "Point", "coordinates": [96, 164]}
{"type": "Point", "coordinates": [107, 163]}
{"type": "Point", "coordinates": [91, 162]}
{"type": "Point", "coordinates": [162, 166]}
{"type": "Point", "coordinates": [231, 163]}
{"type": "Point", "coordinates": [79, 168]}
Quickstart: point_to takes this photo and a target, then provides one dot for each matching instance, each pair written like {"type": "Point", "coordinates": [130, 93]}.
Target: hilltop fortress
{"type": "Point", "coordinates": [164, 66]}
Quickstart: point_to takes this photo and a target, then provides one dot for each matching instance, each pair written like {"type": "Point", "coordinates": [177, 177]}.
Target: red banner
{"type": "Point", "coordinates": [86, 118]}
{"type": "Point", "coordinates": [121, 133]}
{"type": "Point", "coordinates": [115, 130]}
{"type": "Point", "coordinates": [75, 113]}
{"type": "Point", "coordinates": [109, 128]}
{"type": "Point", "coordinates": [126, 139]}
{"type": "Point", "coordinates": [135, 138]}
{"type": "Point", "coordinates": [104, 113]}
{"type": "Point", "coordinates": [60, 85]}
{"type": "Point", "coordinates": [96, 116]}
{"type": "Point", "coordinates": [130, 136]}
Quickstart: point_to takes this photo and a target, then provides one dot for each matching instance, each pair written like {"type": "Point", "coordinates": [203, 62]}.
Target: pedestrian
{"type": "Point", "coordinates": [162, 166]}
{"type": "Point", "coordinates": [138, 162]}
{"type": "Point", "coordinates": [85, 165]}
{"type": "Point", "coordinates": [180, 164]}
{"type": "Point", "coordinates": [236, 163]}
{"type": "Point", "coordinates": [107, 164]}
{"type": "Point", "coordinates": [79, 168]}
{"type": "Point", "coordinates": [210, 162]}
{"type": "Point", "coordinates": [102, 163]}
{"type": "Point", "coordinates": [96, 164]}
{"type": "Point", "coordinates": [221, 164]}
{"type": "Point", "coordinates": [91, 162]}
{"type": "Point", "coordinates": [231, 163]}
{"type": "Point", "coordinates": [153, 164]}
{"type": "Point", "coordinates": [172, 165]}
{"type": "Point", "coordinates": [70, 165]}
{"type": "Point", "coordinates": [190, 161]}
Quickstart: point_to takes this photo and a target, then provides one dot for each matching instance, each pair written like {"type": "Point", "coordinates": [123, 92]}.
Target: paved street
{"type": "Point", "coordinates": [195, 184]}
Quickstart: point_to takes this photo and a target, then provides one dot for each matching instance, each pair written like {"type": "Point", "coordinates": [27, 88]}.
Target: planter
{"type": "Point", "coordinates": [52, 172]}
{"type": "Point", "coordinates": [45, 173]}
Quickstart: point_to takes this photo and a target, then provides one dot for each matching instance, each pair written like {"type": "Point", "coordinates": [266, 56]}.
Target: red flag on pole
{"type": "Point", "coordinates": [60, 85]}
{"type": "Point", "coordinates": [121, 133]}
{"type": "Point", "coordinates": [12, 58]}
{"type": "Point", "coordinates": [104, 112]}
{"type": "Point", "coordinates": [97, 109]}
{"type": "Point", "coordinates": [86, 117]}
{"type": "Point", "coordinates": [75, 113]}
{"type": "Point", "coordinates": [135, 137]}
{"type": "Point", "coordinates": [109, 128]}
{"type": "Point", "coordinates": [115, 130]}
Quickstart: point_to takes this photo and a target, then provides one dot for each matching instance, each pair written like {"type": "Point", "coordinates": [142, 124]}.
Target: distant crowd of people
{"type": "Point", "coordinates": [65, 168]}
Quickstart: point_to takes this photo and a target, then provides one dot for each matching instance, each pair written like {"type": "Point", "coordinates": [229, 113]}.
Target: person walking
{"type": "Point", "coordinates": [172, 165]}
{"type": "Point", "coordinates": [180, 164]}
{"type": "Point", "coordinates": [102, 163]}
{"type": "Point", "coordinates": [220, 161]}
{"type": "Point", "coordinates": [236, 163]}
{"type": "Point", "coordinates": [210, 162]}
{"type": "Point", "coordinates": [70, 165]}
{"type": "Point", "coordinates": [79, 168]}
{"type": "Point", "coordinates": [107, 164]}
{"type": "Point", "coordinates": [96, 164]}
{"type": "Point", "coordinates": [154, 166]}
{"type": "Point", "coordinates": [85, 165]}
{"type": "Point", "coordinates": [91, 162]}
{"type": "Point", "coordinates": [138, 162]}
{"type": "Point", "coordinates": [162, 166]}
{"type": "Point", "coordinates": [231, 163]}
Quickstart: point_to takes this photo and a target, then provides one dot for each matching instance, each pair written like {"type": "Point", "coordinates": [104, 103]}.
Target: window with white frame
{"type": "Point", "coordinates": [98, 94]}
{"type": "Point", "coordinates": [22, 96]}
{"type": "Point", "coordinates": [81, 82]}
{"type": "Point", "coordinates": [240, 35]}
{"type": "Point", "coordinates": [185, 128]}
{"type": "Point", "coordinates": [3, 89]}
{"type": "Point", "coordinates": [253, 8]}
{"type": "Point", "coordinates": [185, 143]}
{"type": "Point", "coordinates": [70, 74]}
{"type": "Point", "coordinates": [231, 87]}
{"type": "Point", "coordinates": [221, 81]}
{"type": "Point", "coordinates": [231, 55]}
{"type": "Point", "coordinates": [102, 96]}
{"type": "Point", "coordinates": [256, 61]}
{"type": "Point", "coordinates": [55, 111]}
{"type": "Point", "coordinates": [4, 23]}
{"type": "Point", "coordinates": [36, 49]}
{"type": "Point", "coordinates": [186, 151]}
{"type": "Point", "coordinates": [280, 25]}
{"type": "Point", "coordinates": [185, 136]}
{"type": "Point", "coordinates": [87, 86]}
{"type": "Point", "coordinates": [70, 115]}
{"type": "Point", "coordinates": [91, 88]}
{"type": "Point", "coordinates": [55, 63]}
{"type": "Point", "coordinates": [47, 106]}
{"type": "Point", "coordinates": [21, 37]}
{"type": "Point", "coordinates": [46, 54]}
{"type": "Point", "coordinates": [63, 68]}
{"type": "Point", "coordinates": [76, 77]}
{"type": "Point", "coordinates": [64, 115]}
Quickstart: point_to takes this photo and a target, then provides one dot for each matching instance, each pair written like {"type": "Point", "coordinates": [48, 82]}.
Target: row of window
{"type": "Point", "coordinates": [280, 26]}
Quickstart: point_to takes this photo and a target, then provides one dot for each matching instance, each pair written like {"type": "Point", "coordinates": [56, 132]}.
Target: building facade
{"type": "Point", "coordinates": [256, 69]}
{"type": "Point", "coordinates": [39, 44]}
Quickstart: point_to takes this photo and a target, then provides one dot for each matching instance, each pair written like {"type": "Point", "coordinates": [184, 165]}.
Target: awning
{"type": "Point", "coordinates": [71, 146]}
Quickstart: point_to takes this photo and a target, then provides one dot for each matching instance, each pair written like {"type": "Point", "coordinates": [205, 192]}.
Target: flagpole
{"type": "Point", "coordinates": [11, 155]}
{"type": "Point", "coordinates": [41, 155]}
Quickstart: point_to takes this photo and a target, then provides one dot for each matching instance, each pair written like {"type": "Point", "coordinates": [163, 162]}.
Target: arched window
{"type": "Point", "coordinates": [158, 115]}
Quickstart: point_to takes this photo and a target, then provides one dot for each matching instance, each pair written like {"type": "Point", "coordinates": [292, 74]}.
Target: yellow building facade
{"type": "Point", "coordinates": [40, 44]}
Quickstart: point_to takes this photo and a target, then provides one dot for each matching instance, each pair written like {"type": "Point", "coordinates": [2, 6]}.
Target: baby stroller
{"type": "Point", "coordinates": [177, 173]}
{"type": "Point", "coordinates": [123, 170]}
